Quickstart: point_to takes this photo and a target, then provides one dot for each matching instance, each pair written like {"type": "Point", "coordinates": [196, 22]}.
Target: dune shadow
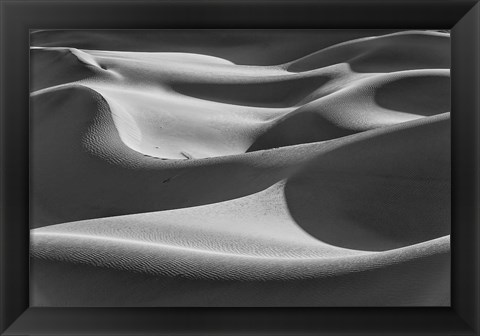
{"type": "Point", "coordinates": [380, 192]}
{"type": "Point", "coordinates": [299, 128]}
{"type": "Point", "coordinates": [284, 92]}
{"type": "Point", "coordinates": [57, 66]}
{"type": "Point", "coordinates": [424, 95]}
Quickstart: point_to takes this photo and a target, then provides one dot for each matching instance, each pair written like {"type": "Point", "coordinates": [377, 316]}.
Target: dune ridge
{"type": "Point", "coordinates": [319, 181]}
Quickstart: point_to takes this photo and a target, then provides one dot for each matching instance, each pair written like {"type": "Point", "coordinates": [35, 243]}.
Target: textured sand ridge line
{"type": "Point", "coordinates": [130, 255]}
{"type": "Point", "coordinates": [173, 278]}
{"type": "Point", "coordinates": [185, 173]}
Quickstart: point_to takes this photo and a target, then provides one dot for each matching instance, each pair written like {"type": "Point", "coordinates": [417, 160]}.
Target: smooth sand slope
{"type": "Point", "coordinates": [205, 173]}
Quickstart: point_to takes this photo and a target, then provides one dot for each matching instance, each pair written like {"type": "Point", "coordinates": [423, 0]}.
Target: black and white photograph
{"type": "Point", "coordinates": [240, 168]}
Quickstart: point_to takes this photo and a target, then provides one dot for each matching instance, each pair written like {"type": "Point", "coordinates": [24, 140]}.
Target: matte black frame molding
{"type": "Point", "coordinates": [18, 16]}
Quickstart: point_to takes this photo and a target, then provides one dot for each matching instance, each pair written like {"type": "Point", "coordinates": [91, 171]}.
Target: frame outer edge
{"type": "Point", "coordinates": [3, 307]}
{"type": "Point", "coordinates": [3, 257]}
{"type": "Point", "coordinates": [477, 226]}
{"type": "Point", "coordinates": [466, 175]}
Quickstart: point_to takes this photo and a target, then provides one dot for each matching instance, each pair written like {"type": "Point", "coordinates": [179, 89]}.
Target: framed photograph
{"type": "Point", "coordinates": [232, 167]}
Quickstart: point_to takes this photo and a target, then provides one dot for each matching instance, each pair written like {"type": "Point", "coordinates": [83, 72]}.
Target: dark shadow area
{"type": "Point", "coordinates": [299, 128]}
{"type": "Point", "coordinates": [284, 92]}
{"type": "Point", "coordinates": [380, 192]}
{"type": "Point", "coordinates": [420, 94]}
{"type": "Point", "coordinates": [55, 67]}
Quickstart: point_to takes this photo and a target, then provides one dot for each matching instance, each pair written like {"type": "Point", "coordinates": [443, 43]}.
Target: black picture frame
{"type": "Point", "coordinates": [18, 16]}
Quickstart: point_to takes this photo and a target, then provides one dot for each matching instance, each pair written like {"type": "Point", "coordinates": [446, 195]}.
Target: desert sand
{"type": "Point", "coordinates": [240, 168]}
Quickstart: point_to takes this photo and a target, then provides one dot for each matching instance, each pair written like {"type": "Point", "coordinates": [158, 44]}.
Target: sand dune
{"type": "Point", "coordinates": [393, 52]}
{"type": "Point", "coordinates": [176, 174]}
{"type": "Point", "coordinates": [252, 47]}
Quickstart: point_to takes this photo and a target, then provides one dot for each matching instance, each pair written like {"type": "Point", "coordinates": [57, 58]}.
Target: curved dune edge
{"type": "Point", "coordinates": [240, 280]}
{"type": "Point", "coordinates": [321, 181]}
{"type": "Point", "coordinates": [387, 53]}
{"type": "Point", "coordinates": [224, 109]}
{"type": "Point", "coordinates": [85, 286]}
